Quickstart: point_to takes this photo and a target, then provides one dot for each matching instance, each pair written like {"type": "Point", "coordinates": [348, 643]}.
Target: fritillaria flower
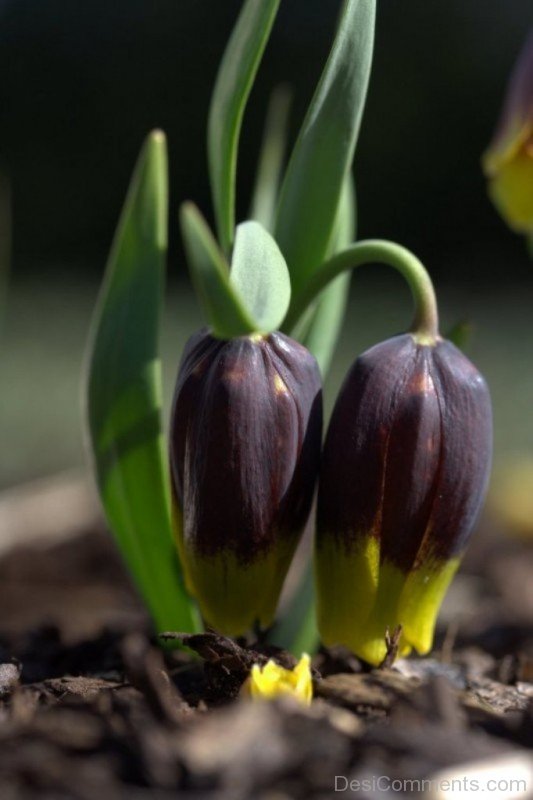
{"type": "Point", "coordinates": [508, 162]}
{"type": "Point", "coordinates": [404, 472]}
{"type": "Point", "coordinates": [245, 440]}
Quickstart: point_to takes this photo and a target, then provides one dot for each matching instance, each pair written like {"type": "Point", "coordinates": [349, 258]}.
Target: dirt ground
{"type": "Point", "coordinates": [91, 710]}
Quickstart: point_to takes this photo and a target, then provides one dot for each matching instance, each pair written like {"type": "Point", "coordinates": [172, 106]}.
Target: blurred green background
{"type": "Point", "coordinates": [82, 83]}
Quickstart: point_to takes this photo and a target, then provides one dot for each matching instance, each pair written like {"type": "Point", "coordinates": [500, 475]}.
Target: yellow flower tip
{"type": "Point", "coordinates": [273, 680]}
{"type": "Point", "coordinates": [511, 187]}
{"type": "Point", "coordinates": [410, 599]}
{"type": "Point", "coordinates": [508, 162]}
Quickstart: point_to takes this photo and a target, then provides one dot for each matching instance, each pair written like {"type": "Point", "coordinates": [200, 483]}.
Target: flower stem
{"type": "Point", "coordinates": [425, 325]}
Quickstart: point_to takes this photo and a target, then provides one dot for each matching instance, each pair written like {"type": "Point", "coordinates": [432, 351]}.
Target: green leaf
{"type": "Point", "coordinates": [325, 327]}
{"type": "Point", "coordinates": [328, 314]}
{"type": "Point", "coordinates": [125, 394]}
{"type": "Point", "coordinates": [232, 88]}
{"type": "Point", "coordinates": [346, 222]}
{"type": "Point", "coordinates": [260, 276]}
{"type": "Point", "coordinates": [5, 239]}
{"type": "Point", "coordinates": [324, 150]}
{"type": "Point", "coordinates": [297, 630]}
{"type": "Point", "coordinates": [223, 308]}
{"type": "Point", "coordinates": [271, 158]}
{"type": "Point", "coordinates": [460, 334]}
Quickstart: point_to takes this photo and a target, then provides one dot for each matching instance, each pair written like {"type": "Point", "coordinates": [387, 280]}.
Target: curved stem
{"type": "Point", "coordinates": [425, 323]}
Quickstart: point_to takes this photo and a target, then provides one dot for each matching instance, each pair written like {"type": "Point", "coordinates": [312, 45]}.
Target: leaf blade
{"type": "Point", "coordinates": [324, 150]}
{"type": "Point", "coordinates": [5, 240]}
{"type": "Point", "coordinates": [223, 307]}
{"type": "Point", "coordinates": [298, 630]}
{"type": "Point", "coordinates": [271, 158]}
{"type": "Point", "coordinates": [124, 393]}
{"type": "Point", "coordinates": [260, 276]}
{"type": "Point", "coordinates": [328, 315]}
{"type": "Point", "coordinates": [232, 88]}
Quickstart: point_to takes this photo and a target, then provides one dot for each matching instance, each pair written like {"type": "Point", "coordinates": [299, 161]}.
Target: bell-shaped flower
{"type": "Point", "coordinates": [404, 472]}
{"type": "Point", "coordinates": [245, 437]}
{"type": "Point", "coordinates": [508, 162]}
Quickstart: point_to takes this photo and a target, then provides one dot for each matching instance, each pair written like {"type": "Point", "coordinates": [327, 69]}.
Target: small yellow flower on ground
{"type": "Point", "coordinates": [273, 680]}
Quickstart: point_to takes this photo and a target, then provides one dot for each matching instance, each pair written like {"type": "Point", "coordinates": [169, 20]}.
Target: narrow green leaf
{"type": "Point", "coordinates": [260, 276]}
{"type": "Point", "coordinates": [224, 309]}
{"type": "Point", "coordinates": [346, 223]}
{"type": "Point", "coordinates": [324, 150]}
{"type": "Point", "coordinates": [125, 394]}
{"type": "Point", "coordinates": [324, 330]}
{"type": "Point", "coordinates": [232, 88]}
{"type": "Point", "coordinates": [460, 334]}
{"type": "Point", "coordinates": [5, 239]}
{"type": "Point", "coordinates": [325, 325]}
{"type": "Point", "coordinates": [297, 630]}
{"type": "Point", "coordinates": [271, 158]}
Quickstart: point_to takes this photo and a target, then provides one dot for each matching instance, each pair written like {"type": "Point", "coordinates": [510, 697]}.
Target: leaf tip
{"type": "Point", "coordinates": [157, 136]}
{"type": "Point", "coordinates": [188, 213]}
{"type": "Point", "coordinates": [155, 148]}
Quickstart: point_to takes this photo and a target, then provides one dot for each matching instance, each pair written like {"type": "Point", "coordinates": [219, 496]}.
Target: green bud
{"type": "Point", "coordinates": [244, 450]}
{"type": "Point", "coordinates": [404, 472]}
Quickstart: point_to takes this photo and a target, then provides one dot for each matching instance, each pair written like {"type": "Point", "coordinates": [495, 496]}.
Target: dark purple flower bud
{"type": "Point", "coordinates": [244, 449]}
{"type": "Point", "coordinates": [405, 469]}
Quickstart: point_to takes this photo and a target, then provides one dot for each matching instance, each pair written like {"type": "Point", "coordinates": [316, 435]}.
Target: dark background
{"type": "Point", "coordinates": [83, 82]}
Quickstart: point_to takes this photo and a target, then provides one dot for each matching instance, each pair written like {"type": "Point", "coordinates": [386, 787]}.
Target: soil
{"type": "Point", "coordinates": [92, 709]}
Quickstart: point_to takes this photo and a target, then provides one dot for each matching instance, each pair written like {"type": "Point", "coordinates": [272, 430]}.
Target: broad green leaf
{"type": "Point", "coordinates": [271, 158]}
{"type": "Point", "coordinates": [223, 307]}
{"type": "Point", "coordinates": [125, 394]}
{"type": "Point", "coordinates": [260, 276]}
{"type": "Point", "coordinates": [324, 150]}
{"type": "Point", "coordinates": [232, 88]}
